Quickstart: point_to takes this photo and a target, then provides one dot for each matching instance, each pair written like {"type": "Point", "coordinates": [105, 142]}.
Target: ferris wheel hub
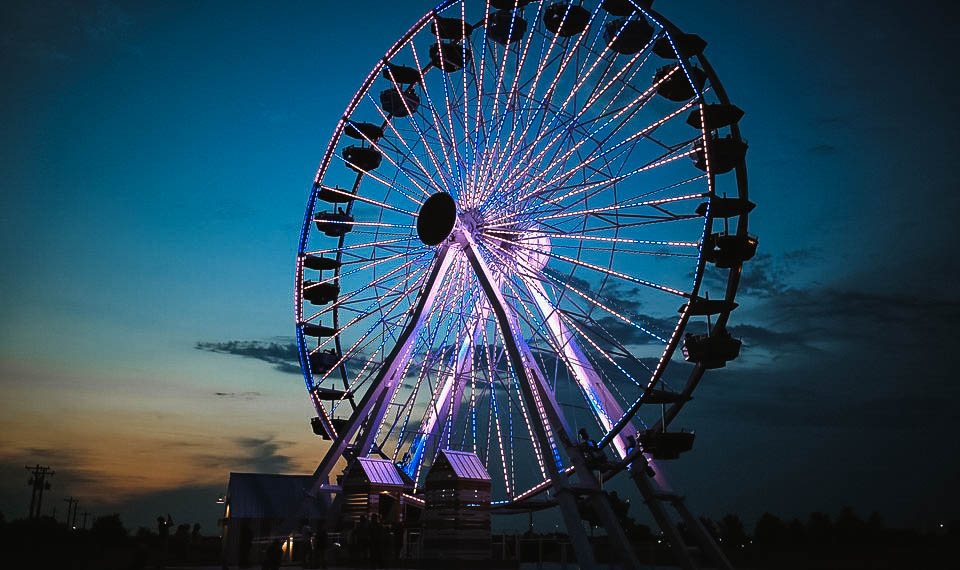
{"type": "Point", "coordinates": [436, 218]}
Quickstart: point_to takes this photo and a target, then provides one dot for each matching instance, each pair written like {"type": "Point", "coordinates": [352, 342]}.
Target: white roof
{"type": "Point", "coordinates": [380, 471]}
{"type": "Point", "coordinates": [466, 465]}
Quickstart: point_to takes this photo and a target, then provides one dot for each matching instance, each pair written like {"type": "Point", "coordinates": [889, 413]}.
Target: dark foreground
{"type": "Point", "coordinates": [819, 543]}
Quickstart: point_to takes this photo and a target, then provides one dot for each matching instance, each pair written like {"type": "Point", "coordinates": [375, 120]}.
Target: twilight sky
{"type": "Point", "coordinates": [155, 163]}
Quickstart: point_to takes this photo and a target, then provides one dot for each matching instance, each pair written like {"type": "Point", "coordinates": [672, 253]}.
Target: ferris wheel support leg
{"type": "Point", "coordinates": [707, 544]}
{"type": "Point", "coordinates": [604, 405]}
{"type": "Point", "coordinates": [663, 519]}
{"type": "Point", "coordinates": [371, 409]}
{"type": "Point", "coordinates": [538, 397]}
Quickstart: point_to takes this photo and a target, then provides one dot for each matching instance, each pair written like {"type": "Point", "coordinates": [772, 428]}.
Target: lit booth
{"type": "Point", "coordinates": [456, 517]}
{"type": "Point", "coordinates": [374, 486]}
{"type": "Point", "coordinates": [260, 508]}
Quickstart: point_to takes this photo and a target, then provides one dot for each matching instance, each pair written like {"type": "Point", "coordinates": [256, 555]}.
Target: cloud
{"type": "Point", "coordinates": [262, 454]}
{"type": "Point", "coordinates": [283, 355]}
{"type": "Point", "coordinates": [779, 343]}
{"type": "Point", "coordinates": [765, 275]}
{"type": "Point", "coordinates": [258, 454]}
{"type": "Point", "coordinates": [242, 395]}
{"type": "Point", "coordinates": [851, 316]}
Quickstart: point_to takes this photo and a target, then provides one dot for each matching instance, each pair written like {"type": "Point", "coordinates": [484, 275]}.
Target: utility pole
{"type": "Point", "coordinates": [71, 506]}
{"type": "Point", "coordinates": [38, 483]}
{"type": "Point", "coordinates": [85, 514]}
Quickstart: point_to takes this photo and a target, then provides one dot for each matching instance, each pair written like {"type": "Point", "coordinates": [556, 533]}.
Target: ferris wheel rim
{"type": "Point", "coordinates": [671, 346]}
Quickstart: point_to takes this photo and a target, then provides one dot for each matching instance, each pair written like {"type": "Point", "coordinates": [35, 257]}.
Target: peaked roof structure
{"type": "Point", "coordinates": [466, 465]}
{"type": "Point", "coordinates": [268, 495]}
{"type": "Point", "coordinates": [380, 471]}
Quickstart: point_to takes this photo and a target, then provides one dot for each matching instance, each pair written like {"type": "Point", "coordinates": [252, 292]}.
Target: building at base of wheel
{"type": "Point", "coordinates": [261, 508]}
{"type": "Point", "coordinates": [456, 517]}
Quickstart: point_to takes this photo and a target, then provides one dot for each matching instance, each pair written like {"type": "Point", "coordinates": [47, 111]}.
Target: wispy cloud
{"type": "Point", "coordinates": [259, 454]}
{"type": "Point", "coordinates": [283, 355]}
{"type": "Point", "coordinates": [240, 395]}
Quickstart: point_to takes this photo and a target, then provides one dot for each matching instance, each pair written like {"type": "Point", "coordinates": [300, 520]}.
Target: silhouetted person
{"type": "Point", "coordinates": [378, 543]}
{"type": "Point", "coordinates": [271, 560]}
{"type": "Point", "coordinates": [309, 551]}
{"type": "Point", "coordinates": [360, 540]}
{"type": "Point", "coordinates": [320, 545]}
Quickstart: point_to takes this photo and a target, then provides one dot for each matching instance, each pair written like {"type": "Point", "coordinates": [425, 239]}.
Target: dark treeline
{"type": "Point", "coordinates": [844, 540]}
{"type": "Point", "coordinates": [107, 545]}
{"type": "Point", "coordinates": [822, 540]}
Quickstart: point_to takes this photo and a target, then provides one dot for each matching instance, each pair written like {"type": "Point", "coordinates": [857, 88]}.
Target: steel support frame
{"type": "Point", "coordinates": [453, 383]}
{"type": "Point", "coordinates": [580, 367]}
{"type": "Point", "coordinates": [372, 407]}
{"type": "Point", "coordinates": [539, 397]}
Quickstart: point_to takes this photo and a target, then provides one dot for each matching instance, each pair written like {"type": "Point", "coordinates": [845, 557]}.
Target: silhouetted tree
{"type": "Point", "coordinates": [796, 534]}
{"type": "Point", "coordinates": [711, 527]}
{"type": "Point", "coordinates": [770, 531]}
{"type": "Point", "coordinates": [819, 532]}
{"type": "Point", "coordinates": [731, 531]}
{"type": "Point", "coordinates": [108, 530]}
{"type": "Point", "coordinates": [850, 528]}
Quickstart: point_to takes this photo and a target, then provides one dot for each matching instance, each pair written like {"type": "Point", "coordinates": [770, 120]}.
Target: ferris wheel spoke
{"type": "Point", "coordinates": [371, 310]}
{"type": "Point", "coordinates": [497, 116]}
{"type": "Point", "coordinates": [612, 152]}
{"type": "Point", "coordinates": [595, 95]}
{"type": "Point", "coordinates": [662, 160]}
{"type": "Point", "coordinates": [586, 190]}
{"type": "Point", "coordinates": [363, 245]}
{"type": "Point", "coordinates": [602, 403]}
{"type": "Point", "coordinates": [370, 264]}
{"type": "Point", "coordinates": [563, 133]}
{"type": "Point", "coordinates": [640, 133]}
{"type": "Point", "coordinates": [448, 143]}
{"type": "Point", "coordinates": [359, 344]}
{"type": "Point", "coordinates": [512, 97]}
{"type": "Point", "coordinates": [416, 127]}
{"type": "Point", "coordinates": [352, 306]}
{"type": "Point", "coordinates": [451, 383]}
{"type": "Point", "coordinates": [548, 94]}
{"type": "Point", "coordinates": [366, 200]}
{"type": "Point", "coordinates": [394, 186]}
{"type": "Point", "coordinates": [533, 278]}
{"type": "Point", "coordinates": [625, 205]}
{"type": "Point", "coordinates": [604, 270]}
{"type": "Point", "coordinates": [413, 176]}
{"type": "Point", "coordinates": [348, 297]}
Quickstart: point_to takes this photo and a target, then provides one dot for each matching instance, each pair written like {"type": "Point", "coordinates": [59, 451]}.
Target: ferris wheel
{"type": "Point", "coordinates": [522, 215]}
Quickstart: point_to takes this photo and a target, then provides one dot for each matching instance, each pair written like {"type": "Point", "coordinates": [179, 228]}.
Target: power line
{"type": "Point", "coordinates": [71, 511]}
{"type": "Point", "coordinates": [38, 483]}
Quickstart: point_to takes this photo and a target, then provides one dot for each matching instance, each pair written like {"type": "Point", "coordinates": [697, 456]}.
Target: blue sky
{"type": "Point", "coordinates": [156, 160]}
